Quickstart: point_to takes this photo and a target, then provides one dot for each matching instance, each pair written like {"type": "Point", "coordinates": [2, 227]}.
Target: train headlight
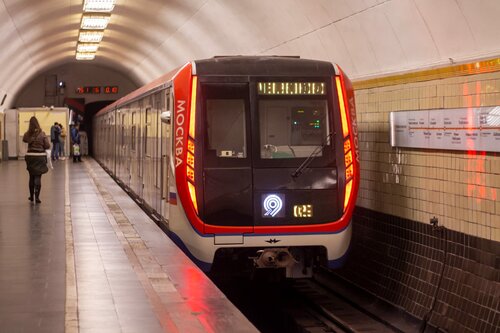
{"type": "Point", "coordinates": [349, 164]}
{"type": "Point", "coordinates": [191, 179]}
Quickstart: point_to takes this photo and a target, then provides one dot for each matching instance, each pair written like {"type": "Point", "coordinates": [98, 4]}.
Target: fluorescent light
{"type": "Point", "coordinates": [98, 5]}
{"type": "Point", "coordinates": [90, 36]}
{"type": "Point", "coordinates": [85, 56]}
{"type": "Point", "coordinates": [95, 21]}
{"type": "Point", "coordinates": [87, 47]}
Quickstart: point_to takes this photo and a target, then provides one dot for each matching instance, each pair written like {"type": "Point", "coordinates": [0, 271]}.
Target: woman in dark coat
{"type": "Point", "coordinates": [36, 157]}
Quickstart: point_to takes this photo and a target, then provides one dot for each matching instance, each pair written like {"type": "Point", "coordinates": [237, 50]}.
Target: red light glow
{"type": "Point", "coordinates": [476, 160]}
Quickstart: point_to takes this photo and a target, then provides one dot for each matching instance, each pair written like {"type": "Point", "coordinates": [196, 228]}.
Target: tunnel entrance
{"type": "Point", "coordinates": [90, 110]}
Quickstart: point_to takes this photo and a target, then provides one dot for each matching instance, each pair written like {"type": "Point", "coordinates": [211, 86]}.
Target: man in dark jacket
{"type": "Point", "coordinates": [55, 131]}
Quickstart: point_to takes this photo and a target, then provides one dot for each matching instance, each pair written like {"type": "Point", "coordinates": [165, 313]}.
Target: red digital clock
{"type": "Point", "coordinates": [110, 89]}
{"type": "Point", "coordinates": [97, 90]}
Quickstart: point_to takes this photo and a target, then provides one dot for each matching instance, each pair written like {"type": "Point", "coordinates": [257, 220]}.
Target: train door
{"type": "Point", "coordinates": [158, 107]}
{"type": "Point", "coordinates": [140, 150]}
{"type": "Point", "coordinates": [112, 126]}
{"type": "Point", "coordinates": [121, 145]}
{"type": "Point", "coordinates": [165, 156]}
{"type": "Point", "coordinates": [227, 162]}
{"type": "Point", "coordinates": [149, 154]}
{"type": "Point", "coordinates": [107, 141]}
{"type": "Point", "coordinates": [134, 148]}
{"type": "Point", "coordinates": [127, 150]}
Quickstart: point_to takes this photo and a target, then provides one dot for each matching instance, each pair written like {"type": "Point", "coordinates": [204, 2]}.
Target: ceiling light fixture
{"type": "Point", "coordinates": [95, 21]}
{"type": "Point", "coordinates": [98, 5]}
{"type": "Point", "coordinates": [90, 36]}
{"type": "Point", "coordinates": [85, 56]}
{"type": "Point", "coordinates": [87, 47]}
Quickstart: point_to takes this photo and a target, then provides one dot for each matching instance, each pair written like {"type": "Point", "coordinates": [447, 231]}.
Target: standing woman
{"type": "Point", "coordinates": [36, 158]}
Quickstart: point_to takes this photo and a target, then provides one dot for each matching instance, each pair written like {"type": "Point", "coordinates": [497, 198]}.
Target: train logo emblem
{"type": "Point", "coordinates": [272, 205]}
{"type": "Point", "coordinates": [179, 132]}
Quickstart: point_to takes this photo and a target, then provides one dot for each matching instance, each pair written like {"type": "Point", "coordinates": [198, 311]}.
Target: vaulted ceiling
{"type": "Point", "coordinates": [146, 38]}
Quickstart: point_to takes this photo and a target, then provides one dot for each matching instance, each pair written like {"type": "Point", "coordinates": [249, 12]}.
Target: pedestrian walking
{"type": "Point", "coordinates": [36, 158]}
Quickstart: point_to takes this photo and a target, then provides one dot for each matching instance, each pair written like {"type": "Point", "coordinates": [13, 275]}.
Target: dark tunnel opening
{"type": "Point", "coordinates": [90, 110]}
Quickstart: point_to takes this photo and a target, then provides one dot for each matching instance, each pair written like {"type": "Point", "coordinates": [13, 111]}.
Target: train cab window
{"type": "Point", "coordinates": [292, 128]}
{"type": "Point", "coordinates": [226, 127]}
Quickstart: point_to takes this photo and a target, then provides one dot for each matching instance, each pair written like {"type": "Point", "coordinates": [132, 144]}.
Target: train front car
{"type": "Point", "coordinates": [266, 161]}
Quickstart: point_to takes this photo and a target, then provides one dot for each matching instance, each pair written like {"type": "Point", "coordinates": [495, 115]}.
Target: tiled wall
{"type": "Point", "coordinates": [447, 277]}
{"type": "Point", "coordinates": [462, 189]}
{"type": "Point", "coordinates": [450, 276]}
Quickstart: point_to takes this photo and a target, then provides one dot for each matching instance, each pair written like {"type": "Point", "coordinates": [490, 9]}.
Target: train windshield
{"type": "Point", "coordinates": [293, 119]}
{"type": "Point", "coordinates": [226, 128]}
{"type": "Point", "coordinates": [292, 128]}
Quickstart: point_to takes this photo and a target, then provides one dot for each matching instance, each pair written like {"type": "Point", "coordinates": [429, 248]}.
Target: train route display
{"type": "Point", "coordinates": [476, 129]}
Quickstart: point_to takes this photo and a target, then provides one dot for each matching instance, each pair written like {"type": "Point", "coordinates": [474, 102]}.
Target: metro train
{"type": "Point", "coordinates": [245, 157]}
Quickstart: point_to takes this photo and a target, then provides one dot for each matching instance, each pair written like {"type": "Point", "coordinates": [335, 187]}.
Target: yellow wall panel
{"type": "Point", "coordinates": [462, 189]}
{"type": "Point", "coordinates": [46, 118]}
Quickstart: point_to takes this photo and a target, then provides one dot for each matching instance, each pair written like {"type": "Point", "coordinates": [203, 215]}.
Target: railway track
{"type": "Point", "coordinates": [331, 313]}
{"type": "Point", "coordinates": [350, 309]}
{"type": "Point", "coordinates": [322, 304]}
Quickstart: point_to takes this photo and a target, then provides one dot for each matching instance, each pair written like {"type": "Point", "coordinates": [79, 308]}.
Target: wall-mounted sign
{"type": "Point", "coordinates": [97, 90]}
{"type": "Point", "coordinates": [475, 129]}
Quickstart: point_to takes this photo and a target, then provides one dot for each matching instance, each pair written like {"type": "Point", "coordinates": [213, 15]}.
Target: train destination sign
{"type": "Point", "coordinates": [291, 88]}
{"type": "Point", "coordinates": [471, 129]}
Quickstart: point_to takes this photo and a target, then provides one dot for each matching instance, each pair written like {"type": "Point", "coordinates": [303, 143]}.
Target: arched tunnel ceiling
{"type": "Point", "coordinates": [146, 38]}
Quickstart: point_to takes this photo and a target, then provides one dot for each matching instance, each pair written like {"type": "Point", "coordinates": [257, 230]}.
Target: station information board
{"type": "Point", "coordinates": [476, 129]}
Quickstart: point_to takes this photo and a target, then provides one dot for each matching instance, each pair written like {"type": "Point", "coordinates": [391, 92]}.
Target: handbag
{"type": "Point", "coordinates": [76, 149]}
{"type": "Point", "coordinates": [49, 159]}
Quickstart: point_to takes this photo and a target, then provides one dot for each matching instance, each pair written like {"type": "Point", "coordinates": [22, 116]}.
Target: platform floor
{"type": "Point", "coordinates": [87, 259]}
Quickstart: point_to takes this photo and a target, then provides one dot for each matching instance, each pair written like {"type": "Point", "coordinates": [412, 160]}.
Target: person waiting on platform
{"type": "Point", "coordinates": [75, 139]}
{"type": "Point", "coordinates": [36, 157]}
{"type": "Point", "coordinates": [55, 132]}
{"type": "Point", "coordinates": [62, 142]}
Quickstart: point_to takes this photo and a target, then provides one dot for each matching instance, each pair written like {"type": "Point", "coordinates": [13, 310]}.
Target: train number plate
{"type": "Point", "coordinates": [303, 211]}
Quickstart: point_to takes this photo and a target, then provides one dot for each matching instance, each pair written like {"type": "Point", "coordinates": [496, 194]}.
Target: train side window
{"type": "Point", "coordinates": [169, 97]}
{"type": "Point", "coordinates": [226, 127]}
